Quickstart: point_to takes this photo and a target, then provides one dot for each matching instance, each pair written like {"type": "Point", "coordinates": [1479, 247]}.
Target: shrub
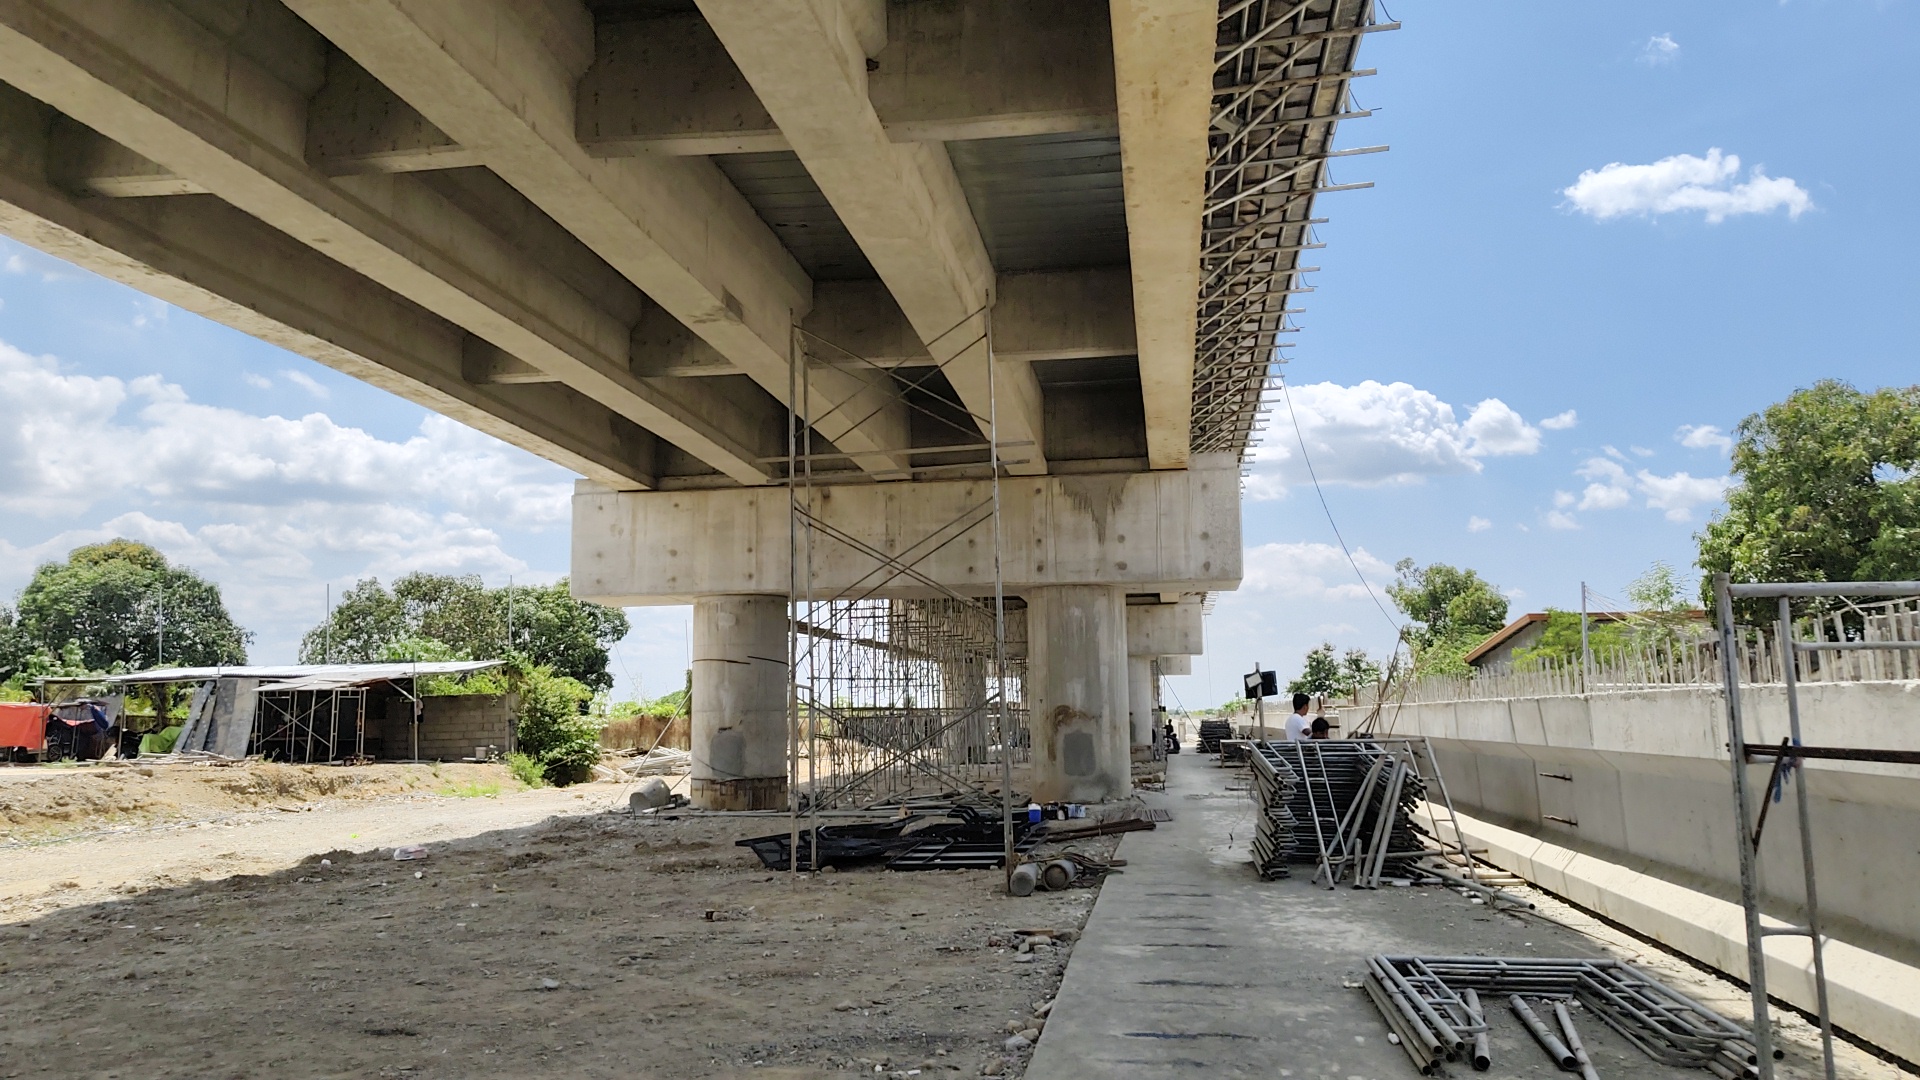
{"type": "Point", "coordinates": [526, 769]}
{"type": "Point", "coordinates": [554, 728]}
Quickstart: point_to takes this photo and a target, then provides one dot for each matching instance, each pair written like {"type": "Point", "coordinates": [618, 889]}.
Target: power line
{"type": "Point", "coordinates": [1327, 510]}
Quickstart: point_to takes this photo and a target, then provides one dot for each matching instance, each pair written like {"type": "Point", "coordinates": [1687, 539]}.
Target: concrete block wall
{"type": "Point", "coordinates": [450, 727]}
{"type": "Point", "coordinates": [1643, 777]}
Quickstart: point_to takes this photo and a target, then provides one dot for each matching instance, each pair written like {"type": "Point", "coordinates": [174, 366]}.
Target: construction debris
{"type": "Point", "coordinates": [974, 842]}
{"type": "Point", "coordinates": [1432, 1004]}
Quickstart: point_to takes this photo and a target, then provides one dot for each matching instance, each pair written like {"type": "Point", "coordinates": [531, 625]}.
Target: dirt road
{"type": "Point", "coordinates": [545, 935]}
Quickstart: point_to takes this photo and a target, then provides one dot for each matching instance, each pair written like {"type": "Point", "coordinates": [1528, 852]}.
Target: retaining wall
{"type": "Point", "coordinates": [1642, 778]}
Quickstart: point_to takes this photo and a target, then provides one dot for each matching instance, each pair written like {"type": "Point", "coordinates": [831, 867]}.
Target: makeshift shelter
{"type": "Point", "coordinates": [334, 712]}
{"type": "Point", "coordinates": [23, 726]}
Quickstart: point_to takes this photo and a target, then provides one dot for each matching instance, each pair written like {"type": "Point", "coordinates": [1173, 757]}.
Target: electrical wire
{"type": "Point", "coordinates": [1327, 510]}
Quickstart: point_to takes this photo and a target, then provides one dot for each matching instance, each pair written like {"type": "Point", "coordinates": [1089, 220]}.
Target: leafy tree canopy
{"type": "Point", "coordinates": [1452, 611]}
{"type": "Point", "coordinates": [439, 616]}
{"type": "Point", "coordinates": [111, 599]}
{"type": "Point", "coordinates": [1326, 675]}
{"type": "Point", "coordinates": [1828, 490]}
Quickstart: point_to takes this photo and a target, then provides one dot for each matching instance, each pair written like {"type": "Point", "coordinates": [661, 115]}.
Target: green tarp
{"type": "Point", "coordinates": [160, 742]}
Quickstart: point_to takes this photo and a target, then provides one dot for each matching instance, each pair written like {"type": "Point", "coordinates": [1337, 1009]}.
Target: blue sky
{"type": "Point", "coordinates": [1467, 304]}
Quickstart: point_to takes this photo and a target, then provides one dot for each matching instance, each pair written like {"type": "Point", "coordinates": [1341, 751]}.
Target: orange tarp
{"type": "Point", "coordinates": [23, 724]}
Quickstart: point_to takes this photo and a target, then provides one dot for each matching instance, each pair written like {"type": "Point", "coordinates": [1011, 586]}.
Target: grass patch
{"type": "Point", "coordinates": [473, 789]}
{"type": "Point", "coordinates": [526, 768]}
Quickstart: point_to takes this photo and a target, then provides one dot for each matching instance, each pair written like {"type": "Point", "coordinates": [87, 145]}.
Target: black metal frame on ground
{"type": "Point", "coordinates": [1784, 761]}
{"type": "Point", "coordinates": [892, 699]}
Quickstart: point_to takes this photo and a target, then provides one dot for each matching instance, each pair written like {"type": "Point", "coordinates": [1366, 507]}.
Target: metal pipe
{"type": "Point", "coordinates": [1573, 1042]}
{"type": "Point", "coordinates": [1724, 592]}
{"type": "Point", "coordinates": [1806, 842]}
{"type": "Point", "coordinates": [1450, 1039]}
{"type": "Point", "coordinates": [1482, 1057]}
{"type": "Point", "coordinates": [1419, 1026]}
{"type": "Point", "coordinates": [1488, 891]}
{"type": "Point", "coordinates": [1555, 1049]}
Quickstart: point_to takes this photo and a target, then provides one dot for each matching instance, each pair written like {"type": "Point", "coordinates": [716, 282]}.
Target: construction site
{"type": "Point", "coordinates": [919, 347]}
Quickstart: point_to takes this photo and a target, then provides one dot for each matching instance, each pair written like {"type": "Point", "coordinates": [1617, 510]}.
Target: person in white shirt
{"type": "Point", "coordinates": [1298, 724]}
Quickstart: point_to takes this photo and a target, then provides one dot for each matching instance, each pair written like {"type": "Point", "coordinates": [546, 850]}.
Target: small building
{"type": "Point", "coordinates": [1525, 632]}
{"type": "Point", "coordinates": [335, 712]}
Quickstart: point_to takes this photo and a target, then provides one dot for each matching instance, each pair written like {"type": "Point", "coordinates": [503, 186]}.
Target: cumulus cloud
{"type": "Point", "coordinates": [1561, 421]}
{"type": "Point", "coordinates": [1612, 487]}
{"type": "Point", "coordinates": [1683, 184]}
{"type": "Point", "coordinates": [1703, 437]}
{"type": "Point", "coordinates": [1660, 50]}
{"type": "Point", "coordinates": [144, 437]}
{"type": "Point", "coordinates": [257, 381]}
{"type": "Point", "coordinates": [1372, 433]}
{"type": "Point", "coordinates": [1309, 571]}
{"type": "Point", "coordinates": [307, 382]}
{"type": "Point", "coordinates": [1477, 523]}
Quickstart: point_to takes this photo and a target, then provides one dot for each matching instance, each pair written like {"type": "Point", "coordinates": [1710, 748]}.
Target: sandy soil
{"type": "Point", "coordinates": [596, 943]}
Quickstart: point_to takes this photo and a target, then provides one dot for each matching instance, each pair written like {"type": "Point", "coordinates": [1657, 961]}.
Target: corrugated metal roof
{"type": "Point", "coordinates": [1046, 202]}
{"type": "Point", "coordinates": [356, 674]}
{"type": "Point", "coordinates": [782, 192]}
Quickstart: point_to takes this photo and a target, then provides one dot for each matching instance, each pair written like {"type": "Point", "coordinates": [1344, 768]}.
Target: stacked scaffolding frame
{"type": "Point", "coordinates": [1280, 88]}
{"type": "Point", "coordinates": [901, 689]}
{"type": "Point", "coordinates": [306, 725]}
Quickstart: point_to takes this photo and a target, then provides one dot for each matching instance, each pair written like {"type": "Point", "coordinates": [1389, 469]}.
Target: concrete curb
{"type": "Point", "coordinates": [1873, 997]}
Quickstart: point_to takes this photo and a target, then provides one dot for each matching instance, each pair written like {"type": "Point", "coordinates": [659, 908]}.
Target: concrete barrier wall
{"type": "Point", "coordinates": [1642, 778]}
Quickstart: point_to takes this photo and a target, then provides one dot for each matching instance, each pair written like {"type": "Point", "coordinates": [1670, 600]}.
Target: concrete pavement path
{"type": "Point", "coordinates": [1190, 966]}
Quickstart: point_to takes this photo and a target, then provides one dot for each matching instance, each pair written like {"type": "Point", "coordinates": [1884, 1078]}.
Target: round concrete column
{"type": "Point", "coordinates": [1140, 698]}
{"type": "Point", "coordinates": [1077, 693]}
{"type": "Point", "coordinates": [964, 695]}
{"type": "Point", "coordinates": [739, 703]}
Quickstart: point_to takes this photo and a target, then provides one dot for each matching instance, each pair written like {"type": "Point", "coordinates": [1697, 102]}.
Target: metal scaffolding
{"type": "Point", "coordinates": [1281, 73]}
{"type": "Point", "coordinates": [1885, 634]}
{"type": "Point", "coordinates": [901, 689]}
{"type": "Point", "coordinates": [306, 725]}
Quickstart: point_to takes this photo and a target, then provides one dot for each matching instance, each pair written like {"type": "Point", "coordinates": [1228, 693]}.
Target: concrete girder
{"type": "Point", "coordinates": [1138, 532]}
{"type": "Point", "coordinates": [1176, 665]}
{"type": "Point", "coordinates": [1163, 57]}
{"type": "Point", "coordinates": [946, 71]}
{"type": "Point", "coordinates": [164, 87]}
{"type": "Point", "coordinates": [1040, 315]}
{"type": "Point", "coordinates": [498, 77]}
{"type": "Point", "coordinates": [902, 203]}
{"type": "Point", "coordinates": [1164, 629]}
{"type": "Point", "coordinates": [218, 262]}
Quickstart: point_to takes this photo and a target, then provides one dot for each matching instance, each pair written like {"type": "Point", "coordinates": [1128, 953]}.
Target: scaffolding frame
{"type": "Point", "coordinates": [900, 689]}
{"type": "Point", "coordinates": [286, 723]}
{"type": "Point", "coordinates": [1786, 760]}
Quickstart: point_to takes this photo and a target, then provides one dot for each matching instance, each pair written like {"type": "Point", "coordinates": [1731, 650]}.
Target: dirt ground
{"type": "Point", "coordinates": [598, 943]}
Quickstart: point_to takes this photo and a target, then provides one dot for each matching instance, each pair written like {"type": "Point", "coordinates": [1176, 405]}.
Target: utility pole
{"type": "Point", "coordinates": [160, 648]}
{"type": "Point", "coordinates": [1259, 701]}
{"type": "Point", "coordinates": [509, 612]}
{"type": "Point", "coordinates": [1586, 650]}
{"type": "Point", "coordinates": [326, 633]}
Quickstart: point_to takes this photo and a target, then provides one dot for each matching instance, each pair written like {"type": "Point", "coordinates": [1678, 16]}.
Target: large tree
{"type": "Point", "coordinates": [1828, 490]}
{"type": "Point", "coordinates": [123, 602]}
{"type": "Point", "coordinates": [549, 627]}
{"type": "Point", "coordinates": [1451, 609]}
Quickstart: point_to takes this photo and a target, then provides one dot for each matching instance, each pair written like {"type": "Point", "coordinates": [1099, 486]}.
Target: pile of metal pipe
{"type": "Point", "coordinates": [1437, 999]}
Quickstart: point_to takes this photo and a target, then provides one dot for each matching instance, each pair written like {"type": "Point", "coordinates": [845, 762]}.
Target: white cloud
{"type": "Point", "coordinates": [258, 382]}
{"type": "Point", "coordinates": [1310, 571]}
{"type": "Point", "coordinates": [1703, 437]}
{"type": "Point", "coordinates": [168, 448]}
{"type": "Point", "coordinates": [1680, 493]}
{"type": "Point", "coordinates": [1613, 488]}
{"type": "Point", "coordinates": [1478, 524]}
{"type": "Point", "coordinates": [307, 382]}
{"type": "Point", "coordinates": [1613, 453]}
{"type": "Point", "coordinates": [1372, 433]}
{"type": "Point", "coordinates": [1561, 421]}
{"type": "Point", "coordinates": [1660, 50]}
{"type": "Point", "coordinates": [1640, 451]}
{"type": "Point", "coordinates": [1684, 183]}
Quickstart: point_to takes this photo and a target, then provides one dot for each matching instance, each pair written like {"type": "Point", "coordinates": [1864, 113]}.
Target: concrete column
{"type": "Point", "coordinates": [739, 703]}
{"type": "Point", "coordinates": [1077, 692]}
{"type": "Point", "coordinates": [1140, 698]}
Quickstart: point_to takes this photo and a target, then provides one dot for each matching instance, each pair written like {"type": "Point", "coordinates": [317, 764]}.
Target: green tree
{"type": "Point", "coordinates": [555, 728]}
{"type": "Point", "coordinates": [1326, 675]}
{"type": "Point", "coordinates": [1828, 489]}
{"type": "Point", "coordinates": [15, 644]}
{"type": "Point", "coordinates": [116, 598]}
{"type": "Point", "coordinates": [1452, 610]}
{"type": "Point", "coordinates": [1560, 641]}
{"type": "Point", "coordinates": [471, 621]}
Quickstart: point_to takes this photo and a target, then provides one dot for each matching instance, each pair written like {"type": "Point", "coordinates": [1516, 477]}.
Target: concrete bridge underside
{"type": "Point", "coordinates": [621, 233]}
